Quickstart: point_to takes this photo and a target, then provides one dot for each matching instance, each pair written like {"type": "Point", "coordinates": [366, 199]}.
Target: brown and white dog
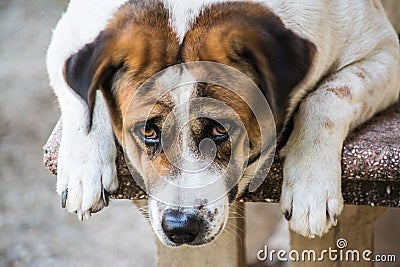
{"type": "Point", "coordinates": [324, 67]}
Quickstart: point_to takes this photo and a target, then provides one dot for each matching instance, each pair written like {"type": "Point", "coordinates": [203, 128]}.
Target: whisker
{"type": "Point", "coordinates": [237, 228]}
{"type": "Point", "coordinates": [232, 231]}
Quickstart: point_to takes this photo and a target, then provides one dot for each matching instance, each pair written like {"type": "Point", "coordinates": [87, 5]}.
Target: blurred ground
{"type": "Point", "coordinates": [34, 230]}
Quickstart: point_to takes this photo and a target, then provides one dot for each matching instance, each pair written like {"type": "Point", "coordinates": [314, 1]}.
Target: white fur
{"type": "Point", "coordinates": [183, 13]}
{"type": "Point", "coordinates": [312, 168]}
{"type": "Point", "coordinates": [181, 97]}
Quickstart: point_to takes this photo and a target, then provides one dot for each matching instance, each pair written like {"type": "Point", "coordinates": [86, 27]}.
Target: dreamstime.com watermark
{"type": "Point", "coordinates": [338, 253]}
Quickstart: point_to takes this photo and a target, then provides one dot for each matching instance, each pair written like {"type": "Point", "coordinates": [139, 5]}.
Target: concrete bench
{"type": "Point", "coordinates": [370, 182]}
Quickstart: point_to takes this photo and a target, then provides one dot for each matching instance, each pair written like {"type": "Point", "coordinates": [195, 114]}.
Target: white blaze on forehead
{"type": "Point", "coordinates": [181, 96]}
{"type": "Point", "coordinates": [182, 13]}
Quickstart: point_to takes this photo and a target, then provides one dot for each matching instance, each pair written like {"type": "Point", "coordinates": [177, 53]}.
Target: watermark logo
{"type": "Point", "coordinates": [341, 243]}
{"type": "Point", "coordinates": [339, 253]}
{"type": "Point", "coordinates": [173, 109]}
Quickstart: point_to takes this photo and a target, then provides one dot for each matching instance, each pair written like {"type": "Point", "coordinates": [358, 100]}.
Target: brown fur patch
{"type": "Point", "coordinates": [217, 34]}
{"type": "Point", "coordinates": [341, 92]}
{"type": "Point", "coordinates": [136, 43]}
{"type": "Point", "coordinates": [317, 141]}
{"type": "Point", "coordinates": [139, 38]}
{"type": "Point", "coordinates": [329, 125]}
{"type": "Point", "coordinates": [289, 183]}
{"type": "Point", "coordinates": [366, 110]}
{"type": "Point", "coordinates": [250, 38]}
{"type": "Point", "coordinates": [361, 75]}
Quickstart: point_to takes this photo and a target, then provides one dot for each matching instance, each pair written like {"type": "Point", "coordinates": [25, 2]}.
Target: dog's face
{"type": "Point", "coordinates": [193, 143]}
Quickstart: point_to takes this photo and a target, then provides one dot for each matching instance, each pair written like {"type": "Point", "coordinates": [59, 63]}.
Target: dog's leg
{"type": "Point", "coordinates": [311, 193]}
{"type": "Point", "coordinates": [86, 160]}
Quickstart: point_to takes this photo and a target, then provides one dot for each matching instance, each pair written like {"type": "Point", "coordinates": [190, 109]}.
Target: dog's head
{"type": "Point", "coordinates": [195, 134]}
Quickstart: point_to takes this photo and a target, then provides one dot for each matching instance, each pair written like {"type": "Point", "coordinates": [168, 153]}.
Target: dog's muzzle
{"type": "Point", "coordinates": [181, 227]}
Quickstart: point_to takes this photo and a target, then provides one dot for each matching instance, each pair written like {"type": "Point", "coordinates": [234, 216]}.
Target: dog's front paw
{"type": "Point", "coordinates": [311, 194]}
{"type": "Point", "coordinates": [86, 173]}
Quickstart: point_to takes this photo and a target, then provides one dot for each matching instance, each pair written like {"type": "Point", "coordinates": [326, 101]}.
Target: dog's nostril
{"type": "Point", "coordinates": [180, 227]}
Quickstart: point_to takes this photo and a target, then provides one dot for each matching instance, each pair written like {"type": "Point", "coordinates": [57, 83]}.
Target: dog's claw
{"type": "Point", "coordinates": [105, 196]}
{"type": "Point", "coordinates": [80, 215]}
{"type": "Point", "coordinates": [64, 197]}
{"type": "Point", "coordinates": [86, 215]}
{"type": "Point", "coordinates": [334, 220]}
{"type": "Point", "coordinates": [332, 217]}
{"type": "Point", "coordinates": [288, 215]}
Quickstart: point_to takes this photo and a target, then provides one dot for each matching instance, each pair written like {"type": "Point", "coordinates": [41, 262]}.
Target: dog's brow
{"type": "Point", "coordinates": [147, 88]}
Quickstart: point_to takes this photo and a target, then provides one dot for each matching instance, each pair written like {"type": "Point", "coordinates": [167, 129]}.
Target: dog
{"type": "Point", "coordinates": [324, 67]}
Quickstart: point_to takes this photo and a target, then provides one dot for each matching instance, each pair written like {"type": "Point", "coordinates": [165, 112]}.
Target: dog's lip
{"type": "Point", "coordinates": [173, 245]}
{"type": "Point", "coordinates": [204, 242]}
{"type": "Point", "coordinates": [192, 244]}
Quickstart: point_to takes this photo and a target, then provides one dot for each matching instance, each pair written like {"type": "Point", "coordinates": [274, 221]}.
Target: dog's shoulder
{"type": "Point", "coordinates": [342, 31]}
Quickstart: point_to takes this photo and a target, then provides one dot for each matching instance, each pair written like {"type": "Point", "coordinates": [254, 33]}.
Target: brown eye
{"type": "Point", "coordinates": [220, 133]}
{"type": "Point", "coordinates": [150, 133]}
{"type": "Point", "coordinates": [218, 130]}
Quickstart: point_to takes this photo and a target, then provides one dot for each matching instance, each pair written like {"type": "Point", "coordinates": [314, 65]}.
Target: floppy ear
{"type": "Point", "coordinates": [276, 60]}
{"type": "Point", "coordinates": [252, 39]}
{"type": "Point", "coordinates": [290, 58]}
{"type": "Point", "coordinates": [87, 71]}
{"type": "Point", "coordinates": [283, 59]}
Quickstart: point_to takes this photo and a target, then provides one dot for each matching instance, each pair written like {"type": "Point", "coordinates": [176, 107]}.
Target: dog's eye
{"type": "Point", "coordinates": [219, 132]}
{"type": "Point", "coordinates": [150, 134]}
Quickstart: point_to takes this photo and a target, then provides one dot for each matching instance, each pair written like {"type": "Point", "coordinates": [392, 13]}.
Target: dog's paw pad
{"type": "Point", "coordinates": [311, 219]}
{"type": "Point", "coordinates": [309, 209]}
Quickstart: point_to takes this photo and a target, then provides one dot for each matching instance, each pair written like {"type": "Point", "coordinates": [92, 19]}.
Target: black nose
{"type": "Point", "coordinates": [180, 227]}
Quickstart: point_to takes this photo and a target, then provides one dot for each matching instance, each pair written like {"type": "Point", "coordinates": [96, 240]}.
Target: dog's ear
{"type": "Point", "coordinates": [89, 70]}
{"type": "Point", "coordinates": [277, 61]}
{"type": "Point", "coordinates": [257, 43]}
{"type": "Point", "coordinates": [281, 58]}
